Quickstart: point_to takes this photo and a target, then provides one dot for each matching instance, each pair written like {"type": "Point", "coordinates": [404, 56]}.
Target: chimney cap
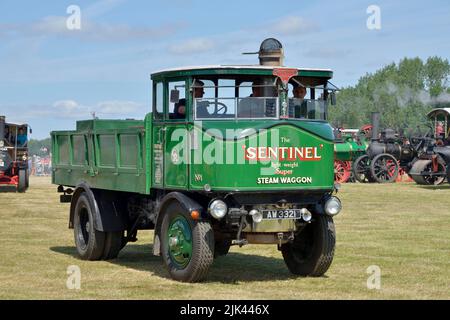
{"type": "Point", "coordinates": [270, 45]}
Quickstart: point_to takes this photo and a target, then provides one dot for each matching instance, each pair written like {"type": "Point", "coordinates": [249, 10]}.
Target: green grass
{"type": "Point", "coordinates": [402, 228]}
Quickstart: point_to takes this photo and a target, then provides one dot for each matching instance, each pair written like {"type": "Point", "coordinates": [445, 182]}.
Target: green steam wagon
{"type": "Point", "coordinates": [349, 145]}
{"type": "Point", "coordinates": [226, 157]}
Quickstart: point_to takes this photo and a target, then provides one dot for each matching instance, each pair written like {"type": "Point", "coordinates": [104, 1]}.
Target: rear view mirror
{"type": "Point", "coordinates": [174, 96]}
{"type": "Point", "coordinates": [333, 98]}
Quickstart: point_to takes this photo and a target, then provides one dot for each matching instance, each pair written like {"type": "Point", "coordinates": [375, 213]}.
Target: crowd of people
{"type": "Point", "coordinates": [40, 166]}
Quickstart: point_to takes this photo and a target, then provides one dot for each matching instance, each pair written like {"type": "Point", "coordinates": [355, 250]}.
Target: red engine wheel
{"type": "Point", "coordinates": [342, 171]}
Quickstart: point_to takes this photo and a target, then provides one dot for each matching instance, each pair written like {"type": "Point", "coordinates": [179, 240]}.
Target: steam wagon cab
{"type": "Point", "coordinates": [228, 156]}
{"type": "Point", "coordinates": [13, 156]}
{"type": "Point", "coordinates": [440, 119]}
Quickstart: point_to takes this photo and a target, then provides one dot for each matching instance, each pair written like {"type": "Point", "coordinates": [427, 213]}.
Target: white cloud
{"type": "Point", "coordinates": [71, 109]}
{"type": "Point", "coordinates": [101, 7]}
{"type": "Point", "coordinates": [293, 25]}
{"type": "Point", "coordinates": [68, 105]}
{"type": "Point", "coordinates": [117, 107]}
{"type": "Point", "coordinates": [56, 26]}
{"type": "Point", "coordinates": [192, 46]}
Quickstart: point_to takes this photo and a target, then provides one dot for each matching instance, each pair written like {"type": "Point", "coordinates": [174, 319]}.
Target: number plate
{"type": "Point", "coordinates": [281, 214]}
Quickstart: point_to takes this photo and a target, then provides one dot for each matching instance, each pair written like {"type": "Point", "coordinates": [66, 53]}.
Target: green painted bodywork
{"type": "Point", "coordinates": [236, 173]}
{"type": "Point", "coordinates": [349, 149]}
{"type": "Point", "coordinates": [107, 154]}
{"type": "Point", "coordinates": [164, 75]}
{"type": "Point", "coordinates": [142, 156]}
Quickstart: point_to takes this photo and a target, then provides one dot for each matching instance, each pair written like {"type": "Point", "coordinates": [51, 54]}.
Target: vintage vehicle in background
{"type": "Point", "coordinates": [349, 145]}
{"type": "Point", "coordinates": [432, 165]}
{"type": "Point", "coordinates": [226, 157]}
{"type": "Point", "coordinates": [14, 171]}
{"type": "Point", "coordinates": [424, 158]}
{"type": "Point", "coordinates": [388, 155]}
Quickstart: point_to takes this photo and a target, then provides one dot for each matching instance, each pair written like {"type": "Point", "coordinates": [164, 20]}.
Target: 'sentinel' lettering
{"type": "Point", "coordinates": [282, 153]}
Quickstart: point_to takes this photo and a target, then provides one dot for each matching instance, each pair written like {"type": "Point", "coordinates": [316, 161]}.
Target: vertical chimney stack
{"type": "Point", "coordinates": [375, 125]}
{"type": "Point", "coordinates": [2, 128]}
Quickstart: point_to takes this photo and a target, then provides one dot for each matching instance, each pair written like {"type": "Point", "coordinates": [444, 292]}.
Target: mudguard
{"type": "Point", "coordinates": [188, 203]}
{"type": "Point", "coordinates": [108, 217]}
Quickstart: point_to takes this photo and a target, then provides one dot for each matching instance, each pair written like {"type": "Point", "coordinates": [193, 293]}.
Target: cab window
{"type": "Point", "coordinates": [177, 110]}
{"type": "Point", "coordinates": [158, 100]}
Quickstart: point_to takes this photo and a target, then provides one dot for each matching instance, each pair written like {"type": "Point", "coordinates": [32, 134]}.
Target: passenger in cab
{"type": "Point", "coordinates": [21, 137]}
{"type": "Point", "coordinates": [9, 138]}
{"type": "Point", "coordinates": [252, 107]}
{"type": "Point", "coordinates": [180, 110]}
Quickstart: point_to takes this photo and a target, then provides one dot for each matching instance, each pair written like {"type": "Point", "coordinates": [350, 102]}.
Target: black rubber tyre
{"type": "Point", "coordinates": [202, 246]}
{"type": "Point", "coordinates": [113, 245]}
{"type": "Point", "coordinates": [22, 186]}
{"type": "Point", "coordinates": [384, 168]}
{"type": "Point", "coordinates": [448, 173]}
{"type": "Point", "coordinates": [221, 248]}
{"type": "Point", "coordinates": [27, 180]}
{"type": "Point", "coordinates": [311, 253]}
{"type": "Point", "coordinates": [361, 169]}
{"type": "Point", "coordinates": [89, 242]}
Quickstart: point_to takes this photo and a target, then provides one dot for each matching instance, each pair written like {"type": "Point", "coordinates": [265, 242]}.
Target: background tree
{"type": "Point", "coordinates": [403, 93]}
{"type": "Point", "coordinates": [39, 147]}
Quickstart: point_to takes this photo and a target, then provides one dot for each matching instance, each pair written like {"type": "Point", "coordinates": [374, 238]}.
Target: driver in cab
{"type": "Point", "coordinates": [202, 106]}
{"type": "Point", "coordinates": [298, 105]}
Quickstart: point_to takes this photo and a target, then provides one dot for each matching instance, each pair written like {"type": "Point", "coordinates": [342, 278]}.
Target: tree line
{"type": "Point", "coordinates": [402, 92]}
{"type": "Point", "coordinates": [40, 148]}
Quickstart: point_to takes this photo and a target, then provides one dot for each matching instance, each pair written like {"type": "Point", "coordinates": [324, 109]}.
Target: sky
{"type": "Point", "coordinates": [51, 76]}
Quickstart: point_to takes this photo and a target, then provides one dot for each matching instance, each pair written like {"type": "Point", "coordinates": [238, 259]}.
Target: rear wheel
{"type": "Point", "coordinates": [113, 245]}
{"type": "Point", "coordinates": [312, 251]}
{"type": "Point", "coordinates": [89, 242]}
{"type": "Point", "coordinates": [384, 168]}
{"type": "Point", "coordinates": [448, 173]}
{"type": "Point", "coordinates": [187, 245]}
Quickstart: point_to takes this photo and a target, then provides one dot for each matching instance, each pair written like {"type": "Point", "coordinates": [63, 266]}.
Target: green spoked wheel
{"type": "Point", "coordinates": [180, 241]}
{"type": "Point", "coordinates": [187, 245]}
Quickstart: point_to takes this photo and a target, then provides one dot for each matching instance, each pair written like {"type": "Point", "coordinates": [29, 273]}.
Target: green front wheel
{"type": "Point", "coordinates": [187, 245]}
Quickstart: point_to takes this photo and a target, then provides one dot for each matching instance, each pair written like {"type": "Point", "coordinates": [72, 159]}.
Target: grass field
{"type": "Point", "coordinates": [404, 229]}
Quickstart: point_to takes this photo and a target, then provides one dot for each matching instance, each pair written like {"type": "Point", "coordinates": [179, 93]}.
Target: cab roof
{"type": "Point", "coordinates": [236, 70]}
{"type": "Point", "coordinates": [438, 110]}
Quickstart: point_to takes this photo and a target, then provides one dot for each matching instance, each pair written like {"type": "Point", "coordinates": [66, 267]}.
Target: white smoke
{"type": "Point", "coordinates": [407, 95]}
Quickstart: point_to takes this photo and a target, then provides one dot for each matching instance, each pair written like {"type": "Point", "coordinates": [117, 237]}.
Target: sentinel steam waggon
{"type": "Point", "coordinates": [226, 157]}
